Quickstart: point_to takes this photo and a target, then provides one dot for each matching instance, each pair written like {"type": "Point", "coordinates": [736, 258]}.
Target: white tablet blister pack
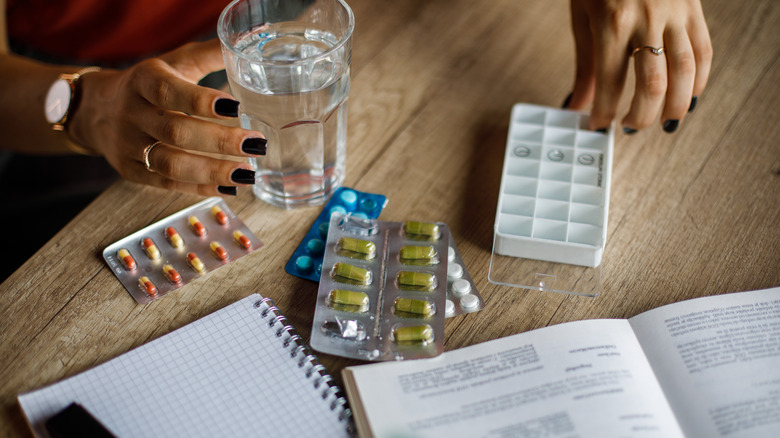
{"type": "Point", "coordinates": [551, 221]}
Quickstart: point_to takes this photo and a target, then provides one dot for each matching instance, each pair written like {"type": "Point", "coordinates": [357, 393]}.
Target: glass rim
{"type": "Point", "coordinates": [337, 46]}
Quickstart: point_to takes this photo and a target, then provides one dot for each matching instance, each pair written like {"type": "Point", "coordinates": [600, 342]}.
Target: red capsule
{"type": "Point", "coordinates": [171, 274]}
{"type": "Point", "coordinates": [147, 286]}
{"type": "Point", "coordinates": [173, 237]}
{"type": "Point", "coordinates": [242, 240]}
{"type": "Point", "coordinates": [151, 248]}
{"type": "Point", "coordinates": [195, 262]}
{"type": "Point", "coordinates": [220, 252]}
{"type": "Point", "coordinates": [126, 259]}
{"type": "Point", "coordinates": [220, 216]}
{"type": "Point", "coordinates": [197, 226]}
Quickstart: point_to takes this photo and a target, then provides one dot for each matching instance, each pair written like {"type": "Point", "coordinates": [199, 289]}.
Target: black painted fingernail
{"type": "Point", "coordinates": [602, 130]}
{"type": "Point", "coordinates": [226, 107]}
{"type": "Point", "coordinates": [227, 190]}
{"type": "Point", "coordinates": [254, 146]}
{"type": "Point", "coordinates": [243, 176]}
{"type": "Point", "coordinates": [694, 100]}
{"type": "Point", "coordinates": [567, 101]}
{"type": "Point", "coordinates": [629, 131]}
{"type": "Point", "coordinates": [671, 125]}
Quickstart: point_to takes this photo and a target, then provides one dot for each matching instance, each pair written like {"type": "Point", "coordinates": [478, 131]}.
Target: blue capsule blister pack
{"type": "Point", "coordinates": [306, 261]}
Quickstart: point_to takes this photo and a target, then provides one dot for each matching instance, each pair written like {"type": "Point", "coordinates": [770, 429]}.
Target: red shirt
{"type": "Point", "coordinates": [109, 31]}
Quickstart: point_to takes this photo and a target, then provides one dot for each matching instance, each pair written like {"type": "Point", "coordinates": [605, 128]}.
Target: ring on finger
{"type": "Point", "coordinates": [147, 152]}
{"type": "Point", "coordinates": [657, 51]}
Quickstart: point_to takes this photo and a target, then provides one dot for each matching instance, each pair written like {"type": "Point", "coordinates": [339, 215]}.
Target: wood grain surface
{"type": "Point", "coordinates": [693, 213]}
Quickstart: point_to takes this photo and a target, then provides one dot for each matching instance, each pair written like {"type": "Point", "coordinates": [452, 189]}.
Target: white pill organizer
{"type": "Point", "coordinates": [551, 220]}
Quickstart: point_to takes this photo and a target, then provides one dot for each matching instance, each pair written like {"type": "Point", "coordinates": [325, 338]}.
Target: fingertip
{"type": "Point", "coordinates": [694, 101]}
{"type": "Point", "coordinates": [227, 190]}
{"type": "Point", "coordinates": [567, 101]}
{"type": "Point", "coordinates": [671, 125]}
{"type": "Point", "coordinates": [226, 107]}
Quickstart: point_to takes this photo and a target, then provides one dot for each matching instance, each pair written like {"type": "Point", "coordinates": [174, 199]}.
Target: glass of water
{"type": "Point", "coordinates": [288, 64]}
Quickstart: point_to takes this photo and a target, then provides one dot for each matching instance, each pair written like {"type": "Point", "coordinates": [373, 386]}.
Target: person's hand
{"type": "Point", "coordinates": [121, 113]}
{"type": "Point", "coordinates": [607, 34]}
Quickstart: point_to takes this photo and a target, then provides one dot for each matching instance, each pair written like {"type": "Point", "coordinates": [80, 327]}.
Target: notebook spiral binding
{"type": "Point", "coordinates": [301, 352]}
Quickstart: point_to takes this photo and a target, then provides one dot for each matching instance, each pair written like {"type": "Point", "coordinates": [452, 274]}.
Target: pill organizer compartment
{"type": "Point", "coordinates": [550, 227]}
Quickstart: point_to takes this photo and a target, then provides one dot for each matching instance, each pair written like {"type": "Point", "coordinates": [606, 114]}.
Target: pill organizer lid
{"type": "Point", "coordinates": [526, 273]}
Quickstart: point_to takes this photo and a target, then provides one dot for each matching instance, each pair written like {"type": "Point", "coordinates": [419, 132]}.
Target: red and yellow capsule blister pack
{"type": "Point", "coordinates": [170, 253]}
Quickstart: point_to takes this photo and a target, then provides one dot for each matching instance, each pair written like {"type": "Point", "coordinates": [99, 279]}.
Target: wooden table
{"type": "Point", "coordinates": [694, 213]}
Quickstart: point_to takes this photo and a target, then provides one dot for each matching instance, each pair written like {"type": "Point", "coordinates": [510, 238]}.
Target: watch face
{"type": "Point", "coordinates": [57, 101]}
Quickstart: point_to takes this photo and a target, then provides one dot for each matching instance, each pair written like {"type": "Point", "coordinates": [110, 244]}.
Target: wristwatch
{"type": "Point", "coordinates": [62, 100]}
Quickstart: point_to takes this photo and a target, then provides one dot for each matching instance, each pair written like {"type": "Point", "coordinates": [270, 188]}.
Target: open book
{"type": "Point", "coordinates": [708, 367]}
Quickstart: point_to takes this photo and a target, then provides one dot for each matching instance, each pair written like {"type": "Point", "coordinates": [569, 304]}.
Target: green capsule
{"type": "Point", "coordinates": [422, 229]}
{"type": "Point", "coordinates": [413, 334]}
{"type": "Point", "coordinates": [351, 273]}
{"type": "Point", "coordinates": [416, 280]}
{"type": "Point", "coordinates": [348, 300]}
{"type": "Point", "coordinates": [413, 252]}
{"type": "Point", "coordinates": [409, 305]}
{"type": "Point", "coordinates": [364, 248]}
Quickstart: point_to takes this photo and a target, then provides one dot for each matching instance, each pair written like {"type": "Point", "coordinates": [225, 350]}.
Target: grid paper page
{"type": "Point", "coordinates": [227, 374]}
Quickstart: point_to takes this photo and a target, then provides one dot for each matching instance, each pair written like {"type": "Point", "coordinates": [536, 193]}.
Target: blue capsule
{"type": "Point", "coordinates": [368, 205]}
{"type": "Point", "coordinates": [304, 264]}
{"type": "Point", "coordinates": [337, 209]}
{"type": "Point", "coordinates": [323, 230]}
{"type": "Point", "coordinates": [348, 199]}
{"type": "Point", "coordinates": [316, 247]}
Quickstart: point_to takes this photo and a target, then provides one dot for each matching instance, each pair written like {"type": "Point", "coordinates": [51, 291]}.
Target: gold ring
{"type": "Point", "coordinates": [657, 51]}
{"type": "Point", "coordinates": [147, 152]}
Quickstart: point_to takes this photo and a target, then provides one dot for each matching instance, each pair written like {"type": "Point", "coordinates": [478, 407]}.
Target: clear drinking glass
{"type": "Point", "coordinates": [288, 64]}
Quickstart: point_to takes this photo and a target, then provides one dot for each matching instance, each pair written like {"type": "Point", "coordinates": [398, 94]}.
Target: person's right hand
{"type": "Point", "coordinates": [607, 32]}
{"type": "Point", "coordinates": [122, 112]}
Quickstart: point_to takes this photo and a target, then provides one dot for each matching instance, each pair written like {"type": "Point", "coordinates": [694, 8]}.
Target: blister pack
{"type": "Point", "coordinates": [174, 251]}
{"type": "Point", "coordinates": [383, 289]}
{"type": "Point", "coordinates": [462, 294]}
{"type": "Point", "coordinates": [306, 261]}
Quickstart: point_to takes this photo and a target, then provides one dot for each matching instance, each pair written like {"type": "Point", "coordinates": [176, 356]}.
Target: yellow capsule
{"type": "Point", "coordinates": [348, 300]}
{"type": "Point", "coordinates": [150, 248]}
{"type": "Point", "coordinates": [351, 273]}
{"type": "Point", "coordinates": [409, 305]}
{"type": "Point", "coordinates": [197, 226]}
{"type": "Point", "coordinates": [413, 334]}
{"type": "Point", "coordinates": [171, 274]}
{"type": "Point", "coordinates": [242, 240]}
{"type": "Point", "coordinates": [173, 237]}
{"type": "Point", "coordinates": [220, 252]}
{"type": "Point", "coordinates": [416, 280]}
{"type": "Point", "coordinates": [127, 260]}
{"type": "Point", "coordinates": [195, 262]}
{"type": "Point", "coordinates": [147, 286]}
{"type": "Point", "coordinates": [220, 216]}
{"type": "Point", "coordinates": [422, 229]}
{"type": "Point", "coordinates": [363, 247]}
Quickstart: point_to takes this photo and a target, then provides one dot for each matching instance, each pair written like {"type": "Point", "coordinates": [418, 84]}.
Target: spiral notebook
{"type": "Point", "coordinates": [240, 371]}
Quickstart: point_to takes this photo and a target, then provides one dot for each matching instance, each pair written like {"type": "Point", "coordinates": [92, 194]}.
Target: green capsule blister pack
{"type": "Point", "coordinates": [383, 290]}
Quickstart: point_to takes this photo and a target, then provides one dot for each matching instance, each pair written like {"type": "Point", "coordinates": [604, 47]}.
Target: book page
{"type": "Point", "coordinates": [580, 379]}
{"type": "Point", "coordinates": [718, 361]}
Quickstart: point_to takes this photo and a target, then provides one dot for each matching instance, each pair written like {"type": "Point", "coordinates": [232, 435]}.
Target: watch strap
{"type": "Point", "coordinates": [72, 79]}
